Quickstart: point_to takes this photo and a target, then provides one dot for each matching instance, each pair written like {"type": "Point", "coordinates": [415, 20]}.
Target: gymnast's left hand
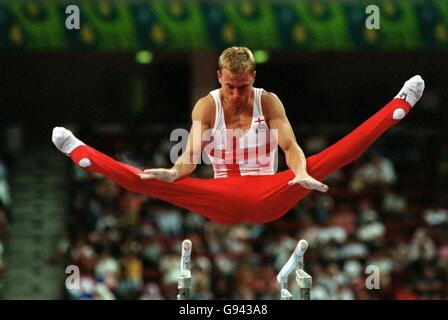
{"type": "Point", "coordinates": [308, 182]}
{"type": "Point", "coordinates": [167, 175]}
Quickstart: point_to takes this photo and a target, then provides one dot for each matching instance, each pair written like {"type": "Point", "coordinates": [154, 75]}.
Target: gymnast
{"type": "Point", "coordinates": [246, 126]}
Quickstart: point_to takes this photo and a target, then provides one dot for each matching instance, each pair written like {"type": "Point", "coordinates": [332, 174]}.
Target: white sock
{"type": "Point", "coordinates": [65, 140]}
{"type": "Point", "coordinates": [412, 90]}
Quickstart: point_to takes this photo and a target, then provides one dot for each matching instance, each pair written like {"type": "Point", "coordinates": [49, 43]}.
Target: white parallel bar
{"type": "Point", "coordinates": [292, 263]}
{"type": "Point", "coordinates": [185, 263]}
{"type": "Point", "coordinates": [184, 281]}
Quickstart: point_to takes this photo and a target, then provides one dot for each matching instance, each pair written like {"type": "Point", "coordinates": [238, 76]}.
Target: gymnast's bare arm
{"type": "Point", "coordinates": [201, 117]}
{"type": "Point", "coordinates": [295, 159]}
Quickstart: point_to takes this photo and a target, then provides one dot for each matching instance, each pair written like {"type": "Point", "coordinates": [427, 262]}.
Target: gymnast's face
{"type": "Point", "coordinates": [236, 89]}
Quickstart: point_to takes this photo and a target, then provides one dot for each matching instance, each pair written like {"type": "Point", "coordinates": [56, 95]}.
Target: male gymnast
{"type": "Point", "coordinates": [245, 187]}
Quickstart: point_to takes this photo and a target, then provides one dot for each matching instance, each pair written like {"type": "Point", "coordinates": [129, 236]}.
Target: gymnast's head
{"type": "Point", "coordinates": [236, 74]}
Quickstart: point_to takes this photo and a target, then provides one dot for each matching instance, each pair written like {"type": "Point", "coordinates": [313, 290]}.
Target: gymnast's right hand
{"type": "Point", "coordinates": [167, 175]}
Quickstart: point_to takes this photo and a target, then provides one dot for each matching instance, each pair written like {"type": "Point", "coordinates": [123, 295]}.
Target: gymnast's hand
{"type": "Point", "coordinates": [308, 182]}
{"type": "Point", "coordinates": [167, 175]}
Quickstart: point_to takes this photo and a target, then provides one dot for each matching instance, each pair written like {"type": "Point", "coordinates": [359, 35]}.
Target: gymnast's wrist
{"type": "Point", "coordinates": [174, 174]}
{"type": "Point", "coordinates": [300, 173]}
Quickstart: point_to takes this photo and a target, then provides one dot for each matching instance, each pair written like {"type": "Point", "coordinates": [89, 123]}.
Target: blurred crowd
{"type": "Point", "coordinates": [386, 212]}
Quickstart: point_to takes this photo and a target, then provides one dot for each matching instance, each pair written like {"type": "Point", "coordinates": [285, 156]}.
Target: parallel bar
{"type": "Point", "coordinates": [304, 282]}
{"type": "Point", "coordinates": [295, 262]}
{"type": "Point", "coordinates": [184, 282]}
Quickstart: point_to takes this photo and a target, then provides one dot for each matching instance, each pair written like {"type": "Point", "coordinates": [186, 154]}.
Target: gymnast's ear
{"type": "Point", "coordinates": [219, 75]}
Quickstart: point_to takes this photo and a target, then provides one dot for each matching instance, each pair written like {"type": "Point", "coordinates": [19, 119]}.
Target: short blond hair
{"type": "Point", "coordinates": [237, 60]}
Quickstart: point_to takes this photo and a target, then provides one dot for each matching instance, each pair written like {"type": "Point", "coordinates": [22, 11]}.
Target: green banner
{"type": "Point", "coordinates": [196, 24]}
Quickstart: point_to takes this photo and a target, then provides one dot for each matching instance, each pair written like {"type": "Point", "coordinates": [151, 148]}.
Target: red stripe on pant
{"type": "Point", "coordinates": [245, 199]}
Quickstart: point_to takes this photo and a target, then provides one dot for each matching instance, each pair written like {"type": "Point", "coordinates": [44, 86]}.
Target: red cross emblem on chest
{"type": "Point", "coordinates": [259, 120]}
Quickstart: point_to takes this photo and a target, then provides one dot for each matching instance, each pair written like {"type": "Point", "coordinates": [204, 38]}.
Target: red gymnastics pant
{"type": "Point", "coordinates": [245, 199]}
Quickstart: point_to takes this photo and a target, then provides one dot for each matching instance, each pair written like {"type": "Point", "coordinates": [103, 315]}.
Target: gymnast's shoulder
{"type": "Point", "coordinates": [270, 103]}
{"type": "Point", "coordinates": [204, 109]}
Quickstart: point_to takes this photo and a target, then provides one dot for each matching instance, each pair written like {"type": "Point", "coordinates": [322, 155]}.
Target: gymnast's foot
{"type": "Point", "coordinates": [412, 90]}
{"type": "Point", "coordinates": [66, 142]}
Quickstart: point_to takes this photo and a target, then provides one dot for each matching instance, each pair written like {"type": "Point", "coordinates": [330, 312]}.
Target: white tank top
{"type": "Point", "coordinates": [253, 153]}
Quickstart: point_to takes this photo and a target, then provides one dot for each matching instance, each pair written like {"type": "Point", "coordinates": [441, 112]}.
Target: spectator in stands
{"type": "Point", "coordinates": [378, 171]}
